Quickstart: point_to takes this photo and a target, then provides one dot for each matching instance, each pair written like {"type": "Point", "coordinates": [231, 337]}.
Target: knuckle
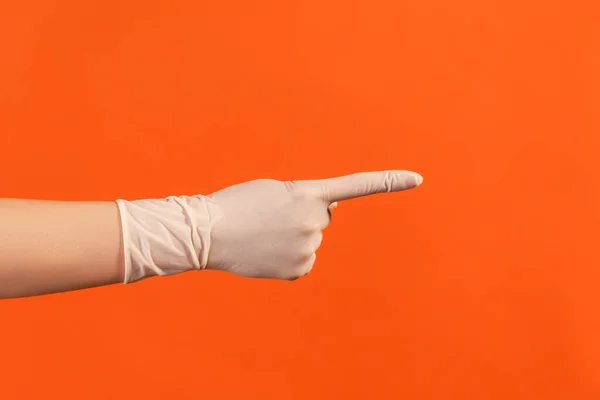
{"type": "Point", "coordinates": [311, 227]}
{"type": "Point", "coordinates": [298, 273]}
{"type": "Point", "coordinates": [304, 189]}
{"type": "Point", "coordinates": [316, 241]}
{"type": "Point", "coordinates": [319, 219]}
{"type": "Point", "coordinates": [305, 270]}
{"type": "Point", "coordinates": [306, 254]}
{"type": "Point", "coordinates": [311, 246]}
{"type": "Point", "coordinates": [324, 191]}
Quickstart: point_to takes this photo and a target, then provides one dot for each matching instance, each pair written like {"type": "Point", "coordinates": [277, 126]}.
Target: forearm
{"type": "Point", "coordinates": [56, 246]}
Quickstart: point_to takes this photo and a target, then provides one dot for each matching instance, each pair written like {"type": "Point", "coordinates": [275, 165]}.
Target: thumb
{"type": "Point", "coordinates": [366, 183]}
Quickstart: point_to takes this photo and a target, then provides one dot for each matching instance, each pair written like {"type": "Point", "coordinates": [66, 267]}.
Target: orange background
{"type": "Point", "coordinates": [481, 284]}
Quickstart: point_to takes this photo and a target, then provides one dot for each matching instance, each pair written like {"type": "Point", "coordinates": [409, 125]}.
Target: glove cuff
{"type": "Point", "coordinates": [165, 236]}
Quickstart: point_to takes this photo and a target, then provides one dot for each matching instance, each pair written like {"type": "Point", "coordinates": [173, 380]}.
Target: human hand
{"type": "Point", "coordinates": [272, 229]}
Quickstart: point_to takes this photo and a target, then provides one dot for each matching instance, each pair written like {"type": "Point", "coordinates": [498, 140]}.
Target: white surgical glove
{"type": "Point", "coordinates": [263, 228]}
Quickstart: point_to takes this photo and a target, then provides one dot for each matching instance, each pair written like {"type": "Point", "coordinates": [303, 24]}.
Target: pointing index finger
{"type": "Point", "coordinates": [367, 183]}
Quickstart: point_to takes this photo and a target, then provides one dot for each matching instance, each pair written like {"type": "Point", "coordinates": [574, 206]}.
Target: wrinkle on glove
{"type": "Point", "coordinates": [166, 236]}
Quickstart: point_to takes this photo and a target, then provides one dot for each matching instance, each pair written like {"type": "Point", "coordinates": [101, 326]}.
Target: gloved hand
{"type": "Point", "coordinates": [263, 228]}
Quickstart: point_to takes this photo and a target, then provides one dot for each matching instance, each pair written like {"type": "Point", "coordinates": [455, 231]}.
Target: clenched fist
{"type": "Point", "coordinates": [263, 228]}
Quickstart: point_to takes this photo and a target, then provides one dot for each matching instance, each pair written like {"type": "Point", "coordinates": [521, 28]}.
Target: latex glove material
{"type": "Point", "coordinates": [165, 236]}
{"type": "Point", "coordinates": [263, 228]}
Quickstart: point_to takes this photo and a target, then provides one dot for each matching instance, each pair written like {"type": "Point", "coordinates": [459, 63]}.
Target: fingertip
{"type": "Point", "coordinates": [418, 179]}
{"type": "Point", "coordinates": [412, 180]}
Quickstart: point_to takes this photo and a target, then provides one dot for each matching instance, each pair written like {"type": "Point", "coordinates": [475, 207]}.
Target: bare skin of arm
{"type": "Point", "coordinates": [57, 246]}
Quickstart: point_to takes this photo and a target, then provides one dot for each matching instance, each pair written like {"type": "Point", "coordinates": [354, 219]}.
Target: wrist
{"type": "Point", "coordinates": [165, 236]}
